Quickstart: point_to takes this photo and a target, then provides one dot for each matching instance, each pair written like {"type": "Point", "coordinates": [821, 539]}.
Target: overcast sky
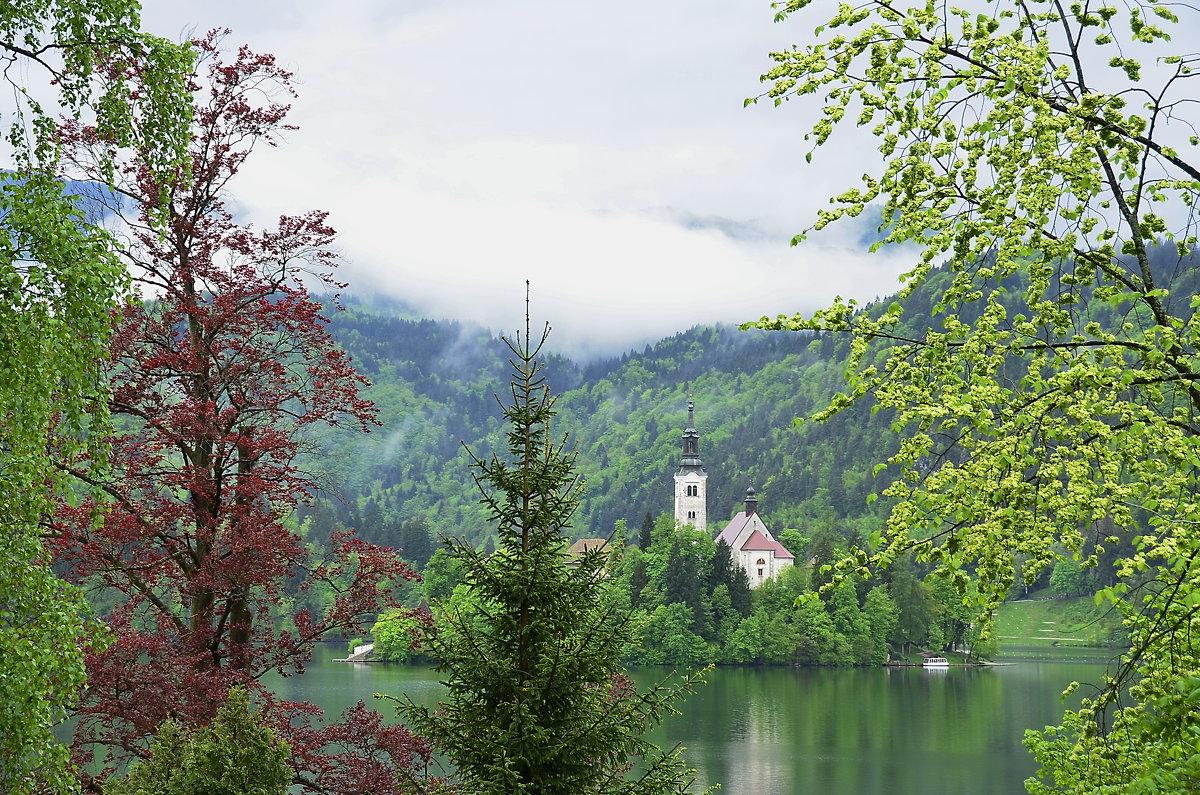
{"type": "Point", "coordinates": [600, 150]}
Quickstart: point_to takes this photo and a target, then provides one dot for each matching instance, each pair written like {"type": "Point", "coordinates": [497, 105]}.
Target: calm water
{"type": "Point", "coordinates": [787, 731]}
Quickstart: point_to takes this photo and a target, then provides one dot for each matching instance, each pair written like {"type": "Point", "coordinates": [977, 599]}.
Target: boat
{"type": "Point", "coordinates": [936, 662]}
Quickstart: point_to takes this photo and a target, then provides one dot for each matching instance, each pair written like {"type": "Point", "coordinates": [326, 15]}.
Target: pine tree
{"type": "Point", "coordinates": [646, 536]}
{"type": "Point", "coordinates": [537, 701]}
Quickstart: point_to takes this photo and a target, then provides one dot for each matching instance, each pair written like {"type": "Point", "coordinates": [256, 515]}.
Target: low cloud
{"type": "Point", "coordinates": [601, 152]}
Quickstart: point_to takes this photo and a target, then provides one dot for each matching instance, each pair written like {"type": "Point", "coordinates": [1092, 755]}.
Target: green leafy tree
{"type": "Point", "coordinates": [60, 281]}
{"type": "Point", "coordinates": [827, 546]}
{"type": "Point", "coordinates": [882, 616]}
{"type": "Point", "coordinates": [915, 604]}
{"type": "Point", "coordinates": [442, 573]}
{"type": "Point", "coordinates": [233, 756]}
{"type": "Point", "coordinates": [668, 638]}
{"type": "Point", "coordinates": [395, 635]}
{"type": "Point", "coordinates": [816, 640]}
{"type": "Point", "coordinates": [1041, 156]}
{"type": "Point", "coordinates": [763, 638]}
{"type": "Point", "coordinates": [953, 613]}
{"type": "Point", "coordinates": [850, 623]}
{"type": "Point", "coordinates": [724, 572]}
{"type": "Point", "coordinates": [794, 541]}
{"type": "Point", "coordinates": [536, 700]}
{"type": "Point", "coordinates": [1066, 578]}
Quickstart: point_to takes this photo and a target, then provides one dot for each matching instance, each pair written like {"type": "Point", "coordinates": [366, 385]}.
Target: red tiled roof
{"type": "Point", "coordinates": [781, 551]}
{"type": "Point", "coordinates": [756, 542]}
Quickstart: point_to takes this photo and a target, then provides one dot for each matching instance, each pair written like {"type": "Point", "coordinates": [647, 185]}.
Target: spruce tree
{"type": "Point", "coordinates": [646, 536]}
{"type": "Point", "coordinates": [537, 701]}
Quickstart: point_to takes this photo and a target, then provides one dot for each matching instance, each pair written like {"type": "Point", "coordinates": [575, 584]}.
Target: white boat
{"type": "Point", "coordinates": [936, 662]}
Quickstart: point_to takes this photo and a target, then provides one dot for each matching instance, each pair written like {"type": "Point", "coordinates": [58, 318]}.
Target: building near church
{"type": "Point", "coordinates": [752, 546]}
{"type": "Point", "coordinates": [750, 542]}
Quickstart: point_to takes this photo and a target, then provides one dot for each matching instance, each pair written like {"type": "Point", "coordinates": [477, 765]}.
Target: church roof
{"type": "Point", "coordinates": [730, 533]}
{"type": "Point", "coordinates": [756, 541]}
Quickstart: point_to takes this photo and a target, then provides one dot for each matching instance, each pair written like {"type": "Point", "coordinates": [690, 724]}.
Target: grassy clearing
{"type": "Point", "coordinates": [1061, 625]}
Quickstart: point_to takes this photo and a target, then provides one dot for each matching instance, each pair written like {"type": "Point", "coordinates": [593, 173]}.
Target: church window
{"type": "Point", "coordinates": [691, 514]}
{"type": "Point", "coordinates": [760, 572]}
{"type": "Point", "coordinates": [762, 562]}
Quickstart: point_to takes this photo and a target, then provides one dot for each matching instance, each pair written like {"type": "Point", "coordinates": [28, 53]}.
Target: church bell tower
{"type": "Point", "coordinates": [691, 481]}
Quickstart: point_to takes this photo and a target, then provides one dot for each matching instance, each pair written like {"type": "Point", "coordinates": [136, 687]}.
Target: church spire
{"type": "Point", "coordinates": [691, 444]}
{"type": "Point", "coordinates": [691, 481]}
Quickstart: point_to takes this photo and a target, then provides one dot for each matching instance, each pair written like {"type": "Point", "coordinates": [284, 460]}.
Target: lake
{"type": "Point", "coordinates": [787, 731]}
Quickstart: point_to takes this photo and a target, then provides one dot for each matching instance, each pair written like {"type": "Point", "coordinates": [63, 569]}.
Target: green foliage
{"type": "Point", "coordinates": [704, 611]}
{"type": "Point", "coordinates": [442, 573]}
{"type": "Point", "coordinates": [395, 635]}
{"type": "Point", "coordinates": [233, 756]}
{"type": "Point", "coordinates": [1044, 380]}
{"type": "Point", "coordinates": [667, 638]}
{"type": "Point", "coordinates": [882, 617]}
{"type": "Point", "coordinates": [433, 382]}
{"type": "Point", "coordinates": [536, 700]}
{"type": "Point", "coordinates": [1066, 578]}
{"type": "Point", "coordinates": [794, 541]}
{"type": "Point", "coordinates": [59, 284]}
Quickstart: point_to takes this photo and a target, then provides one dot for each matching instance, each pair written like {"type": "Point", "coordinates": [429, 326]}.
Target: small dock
{"type": "Point", "coordinates": [359, 654]}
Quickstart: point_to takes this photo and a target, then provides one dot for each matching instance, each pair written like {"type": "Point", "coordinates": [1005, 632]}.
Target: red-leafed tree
{"type": "Point", "coordinates": [216, 373]}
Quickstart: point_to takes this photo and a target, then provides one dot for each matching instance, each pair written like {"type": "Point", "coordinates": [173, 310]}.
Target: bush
{"type": "Point", "coordinates": [233, 756]}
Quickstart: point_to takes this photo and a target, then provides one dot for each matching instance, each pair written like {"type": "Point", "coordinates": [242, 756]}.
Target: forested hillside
{"type": "Point", "coordinates": [435, 382]}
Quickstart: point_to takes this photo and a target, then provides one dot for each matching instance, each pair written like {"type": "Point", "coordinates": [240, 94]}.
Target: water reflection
{"type": "Point", "coordinates": [777, 731]}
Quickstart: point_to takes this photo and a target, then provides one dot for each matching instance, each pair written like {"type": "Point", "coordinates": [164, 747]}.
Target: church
{"type": "Point", "coordinates": [750, 542]}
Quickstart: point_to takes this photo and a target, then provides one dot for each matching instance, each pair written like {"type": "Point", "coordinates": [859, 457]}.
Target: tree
{"type": "Point", "coordinates": [794, 541]}
{"type": "Point", "coordinates": [827, 546]}
{"type": "Point", "coordinates": [723, 571]}
{"type": "Point", "coordinates": [681, 582]}
{"type": "Point", "coordinates": [536, 700]}
{"type": "Point", "coordinates": [232, 756]}
{"type": "Point", "coordinates": [60, 280]}
{"type": "Point", "coordinates": [852, 627]}
{"type": "Point", "coordinates": [216, 375]}
{"type": "Point", "coordinates": [396, 635]}
{"type": "Point", "coordinates": [442, 573]}
{"type": "Point", "coordinates": [668, 637]}
{"type": "Point", "coordinates": [915, 603]}
{"type": "Point", "coordinates": [1066, 578]}
{"type": "Point", "coordinates": [883, 616]}
{"type": "Point", "coordinates": [763, 638]}
{"type": "Point", "coordinates": [645, 533]}
{"type": "Point", "coordinates": [1045, 151]}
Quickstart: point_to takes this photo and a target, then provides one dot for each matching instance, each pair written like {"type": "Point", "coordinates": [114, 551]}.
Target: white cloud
{"type": "Point", "coordinates": [463, 148]}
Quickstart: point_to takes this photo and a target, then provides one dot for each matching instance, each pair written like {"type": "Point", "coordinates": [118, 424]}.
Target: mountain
{"type": "Point", "coordinates": [436, 385]}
